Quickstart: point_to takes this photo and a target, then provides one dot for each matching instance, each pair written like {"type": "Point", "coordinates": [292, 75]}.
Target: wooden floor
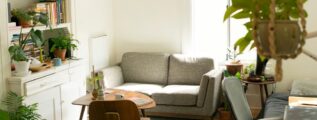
{"type": "Point", "coordinates": [255, 113]}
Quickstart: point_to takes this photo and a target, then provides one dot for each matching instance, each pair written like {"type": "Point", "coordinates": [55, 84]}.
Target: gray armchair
{"type": "Point", "coordinates": [238, 102]}
{"type": "Point", "coordinates": [182, 86]}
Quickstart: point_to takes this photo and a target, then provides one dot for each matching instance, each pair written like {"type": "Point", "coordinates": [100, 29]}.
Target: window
{"type": "Point", "coordinates": [211, 36]}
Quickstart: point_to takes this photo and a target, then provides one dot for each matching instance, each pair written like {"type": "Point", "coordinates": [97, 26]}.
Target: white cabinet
{"type": "Point", "coordinates": [72, 90]}
{"type": "Point", "coordinates": [49, 104]}
{"type": "Point", "coordinates": [53, 90]}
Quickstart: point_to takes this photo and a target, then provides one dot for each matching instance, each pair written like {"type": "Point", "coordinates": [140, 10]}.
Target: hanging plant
{"type": "Point", "coordinates": [271, 24]}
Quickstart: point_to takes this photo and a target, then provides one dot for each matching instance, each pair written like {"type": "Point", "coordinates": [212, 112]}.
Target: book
{"type": "Point", "coordinates": [54, 10]}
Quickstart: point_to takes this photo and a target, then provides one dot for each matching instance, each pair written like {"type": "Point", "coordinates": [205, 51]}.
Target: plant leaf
{"type": "Point", "coordinates": [230, 10]}
{"type": "Point", "coordinates": [242, 14]}
{"type": "Point", "coordinates": [243, 42]}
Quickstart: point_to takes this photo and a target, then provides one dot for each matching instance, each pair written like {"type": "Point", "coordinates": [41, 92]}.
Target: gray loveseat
{"type": "Point", "coordinates": [181, 86]}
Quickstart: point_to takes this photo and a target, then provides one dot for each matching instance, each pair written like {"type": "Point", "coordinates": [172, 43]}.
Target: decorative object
{"type": "Point", "coordinates": [39, 67]}
{"type": "Point", "coordinates": [234, 66]}
{"type": "Point", "coordinates": [268, 17]}
{"type": "Point", "coordinates": [22, 17]}
{"type": "Point", "coordinates": [17, 110]}
{"type": "Point", "coordinates": [96, 83]}
{"type": "Point", "coordinates": [57, 61]}
{"type": "Point", "coordinates": [224, 114]}
{"type": "Point", "coordinates": [61, 44]}
{"type": "Point", "coordinates": [19, 57]}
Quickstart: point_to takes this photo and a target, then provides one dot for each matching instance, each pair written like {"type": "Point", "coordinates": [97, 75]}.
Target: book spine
{"type": "Point", "coordinates": [58, 11]}
{"type": "Point", "coordinates": [64, 11]}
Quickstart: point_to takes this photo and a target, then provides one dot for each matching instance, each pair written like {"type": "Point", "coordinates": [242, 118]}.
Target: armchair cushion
{"type": "Point", "coordinates": [145, 67]}
{"type": "Point", "coordinates": [186, 70]}
{"type": "Point", "coordinates": [185, 95]}
{"type": "Point", "coordinates": [112, 76]}
{"type": "Point", "coordinates": [147, 89]}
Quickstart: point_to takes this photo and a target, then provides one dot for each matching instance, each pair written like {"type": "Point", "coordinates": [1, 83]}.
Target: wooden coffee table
{"type": "Point", "coordinates": [110, 95]}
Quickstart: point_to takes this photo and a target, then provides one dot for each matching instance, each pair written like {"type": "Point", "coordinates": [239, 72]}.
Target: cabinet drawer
{"type": "Point", "coordinates": [46, 82]}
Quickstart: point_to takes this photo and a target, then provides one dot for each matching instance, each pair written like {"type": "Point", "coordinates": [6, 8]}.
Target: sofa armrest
{"type": "Point", "coordinates": [112, 76]}
{"type": "Point", "coordinates": [209, 90]}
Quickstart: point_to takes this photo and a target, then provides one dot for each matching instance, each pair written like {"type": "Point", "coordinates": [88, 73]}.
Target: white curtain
{"type": "Point", "coordinates": [210, 35]}
{"type": "Point", "coordinates": [209, 32]}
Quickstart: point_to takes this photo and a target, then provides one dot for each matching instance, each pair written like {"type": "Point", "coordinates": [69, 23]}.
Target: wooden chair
{"type": "Point", "coordinates": [114, 110]}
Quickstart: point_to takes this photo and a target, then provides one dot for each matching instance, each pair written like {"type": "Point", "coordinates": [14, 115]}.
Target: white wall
{"type": "Point", "coordinates": [148, 26]}
{"type": "Point", "coordinates": [303, 67]}
{"type": "Point", "coordinates": [92, 18]}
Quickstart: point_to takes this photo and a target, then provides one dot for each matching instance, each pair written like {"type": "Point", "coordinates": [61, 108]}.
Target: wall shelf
{"type": "Point", "coordinates": [26, 30]}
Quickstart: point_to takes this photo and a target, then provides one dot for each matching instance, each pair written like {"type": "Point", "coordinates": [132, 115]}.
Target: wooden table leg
{"type": "Point", "coordinates": [266, 92]}
{"type": "Point", "coordinates": [246, 87]}
{"type": "Point", "coordinates": [262, 96]}
{"type": "Point", "coordinates": [143, 112]}
{"type": "Point", "coordinates": [82, 112]}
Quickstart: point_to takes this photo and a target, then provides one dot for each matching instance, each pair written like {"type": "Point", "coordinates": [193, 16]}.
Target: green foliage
{"type": "Point", "coordinates": [227, 74]}
{"type": "Point", "coordinates": [249, 69]}
{"type": "Point", "coordinates": [4, 115]}
{"type": "Point", "coordinates": [22, 14]}
{"type": "Point", "coordinates": [17, 110]}
{"type": "Point", "coordinates": [33, 36]}
{"type": "Point", "coordinates": [63, 42]}
{"type": "Point", "coordinates": [17, 53]}
{"type": "Point", "coordinates": [246, 9]}
{"type": "Point", "coordinates": [94, 80]}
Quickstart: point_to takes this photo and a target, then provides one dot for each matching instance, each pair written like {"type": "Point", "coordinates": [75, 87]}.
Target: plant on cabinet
{"type": "Point", "coordinates": [61, 44]}
{"type": "Point", "coordinates": [18, 56]}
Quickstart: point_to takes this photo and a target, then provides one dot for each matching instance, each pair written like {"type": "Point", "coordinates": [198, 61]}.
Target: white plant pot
{"type": "Point", "coordinates": [22, 67]}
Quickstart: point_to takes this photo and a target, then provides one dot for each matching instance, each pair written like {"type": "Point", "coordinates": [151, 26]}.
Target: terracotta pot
{"type": "Point", "coordinates": [234, 68]}
{"type": "Point", "coordinates": [60, 53]}
{"type": "Point", "coordinates": [287, 37]}
{"type": "Point", "coordinates": [25, 24]}
{"type": "Point", "coordinates": [224, 115]}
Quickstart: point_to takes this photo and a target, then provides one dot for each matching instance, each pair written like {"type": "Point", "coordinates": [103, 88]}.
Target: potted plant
{"type": "Point", "coordinates": [272, 18]}
{"type": "Point", "coordinates": [22, 17]}
{"type": "Point", "coordinates": [17, 110]}
{"type": "Point", "coordinates": [224, 111]}
{"type": "Point", "coordinates": [94, 80]}
{"type": "Point", "coordinates": [234, 66]}
{"type": "Point", "coordinates": [61, 44]}
{"type": "Point", "coordinates": [20, 60]}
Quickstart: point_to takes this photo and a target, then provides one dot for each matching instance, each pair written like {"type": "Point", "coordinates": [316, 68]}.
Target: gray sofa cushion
{"type": "Point", "coordinates": [185, 95]}
{"type": "Point", "coordinates": [147, 89]}
{"type": "Point", "coordinates": [145, 67]}
{"type": "Point", "coordinates": [275, 105]}
{"type": "Point", "coordinates": [188, 70]}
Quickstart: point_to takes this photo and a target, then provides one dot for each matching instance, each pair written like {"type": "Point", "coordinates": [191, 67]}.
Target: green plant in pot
{"type": "Point", "coordinates": [224, 111]}
{"type": "Point", "coordinates": [17, 110]}
{"type": "Point", "coordinates": [61, 44]}
{"type": "Point", "coordinates": [234, 66]}
{"type": "Point", "coordinates": [23, 17]}
{"type": "Point", "coordinates": [271, 28]}
{"type": "Point", "coordinates": [18, 56]}
{"type": "Point", "coordinates": [94, 80]}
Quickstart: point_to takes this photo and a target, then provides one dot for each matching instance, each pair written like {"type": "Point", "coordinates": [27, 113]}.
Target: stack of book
{"type": "Point", "coordinates": [55, 10]}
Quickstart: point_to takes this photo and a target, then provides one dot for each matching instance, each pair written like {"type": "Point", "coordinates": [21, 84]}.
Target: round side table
{"type": "Point", "coordinates": [262, 84]}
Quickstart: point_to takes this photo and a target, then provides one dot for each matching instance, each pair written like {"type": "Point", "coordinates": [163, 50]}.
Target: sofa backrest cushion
{"type": "Point", "coordinates": [187, 70]}
{"type": "Point", "coordinates": [145, 67]}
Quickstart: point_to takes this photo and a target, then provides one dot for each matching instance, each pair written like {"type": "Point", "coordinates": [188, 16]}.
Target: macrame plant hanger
{"type": "Point", "coordinates": [273, 53]}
